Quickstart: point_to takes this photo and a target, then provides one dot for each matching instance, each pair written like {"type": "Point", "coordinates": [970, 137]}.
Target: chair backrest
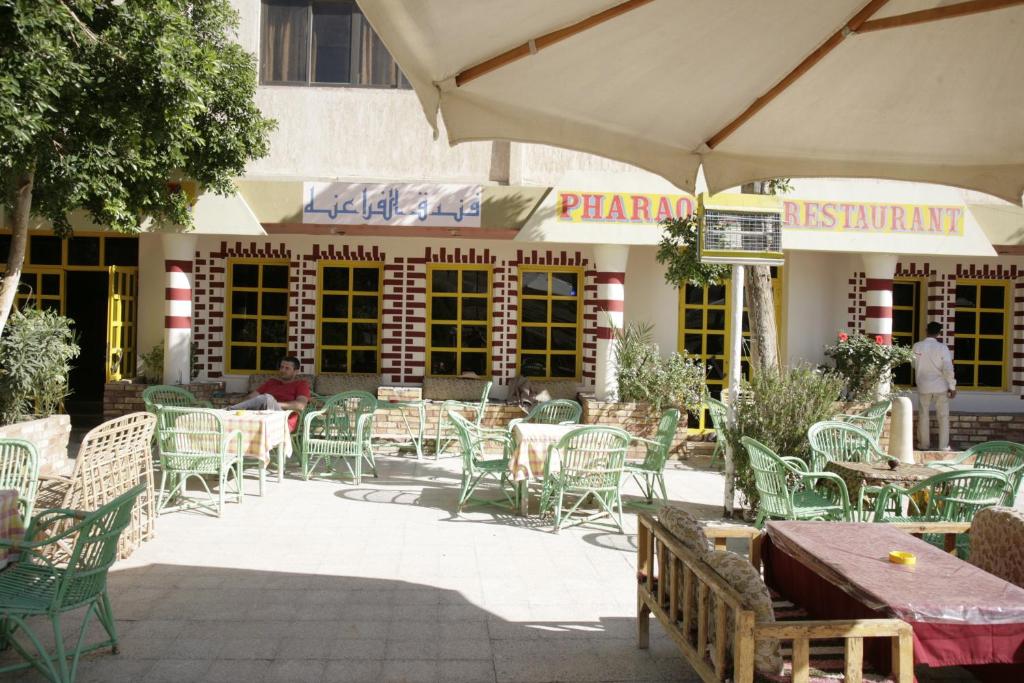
{"type": "Point", "coordinates": [164, 395]}
{"type": "Point", "coordinates": [188, 432]}
{"type": "Point", "coordinates": [558, 411]}
{"type": "Point", "coordinates": [466, 432]}
{"type": "Point", "coordinates": [871, 419]}
{"type": "Point", "coordinates": [341, 415]}
{"type": "Point", "coordinates": [593, 457]}
{"type": "Point", "coordinates": [19, 470]}
{"type": "Point", "coordinates": [770, 473]}
{"type": "Point", "coordinates": [841, 442]}
{"type": "Point", "coordinates": [956, 496]}
{"type": "Point", "coordinates": [719, 413]}
{"type": "Point", "coordinates": [95, 549]}
{"type": "Point", "coordinates": [658, 454]}
{"type": "Point", "coordinates": [1003, 456]}
{"type": "Point", "coordinates": [484, 395]}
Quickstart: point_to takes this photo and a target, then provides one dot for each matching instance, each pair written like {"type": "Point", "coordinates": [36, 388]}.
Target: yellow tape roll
{"type": "Point", "coordinates": [902, 557]}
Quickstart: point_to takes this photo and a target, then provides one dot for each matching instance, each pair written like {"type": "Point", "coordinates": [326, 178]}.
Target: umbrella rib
{"type": "Point", "coordinates": [803, 67]}
{"type": "Point", "coordinates": [546, 40]}
{"type": "Point", "coordinates": [938, 13]}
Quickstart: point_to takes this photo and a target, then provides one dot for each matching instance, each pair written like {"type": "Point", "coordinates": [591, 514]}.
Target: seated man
{"type": "Point", "coordinates": [286, 393]}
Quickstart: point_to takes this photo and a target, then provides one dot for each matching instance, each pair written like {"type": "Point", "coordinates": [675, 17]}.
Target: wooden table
{"type": "Point", "coordinates": [530, 452]}
{"type": "Point", "coordinates": [960, 614]}
{"type": "Point", "coordinates": [860, 474]}
{"type": "Point", "coordinates": [12, 528]}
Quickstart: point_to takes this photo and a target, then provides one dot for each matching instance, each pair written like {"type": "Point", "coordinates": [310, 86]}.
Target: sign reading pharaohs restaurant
{"type": "Point", "coordinates": [873, 218]}
{"type": "Point", "coordinates": [427, 205]}
{"type": "Point", "coordinates": [622, 207]}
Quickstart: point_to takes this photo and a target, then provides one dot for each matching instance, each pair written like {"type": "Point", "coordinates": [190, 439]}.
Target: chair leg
{"type": "Point", "coordinates": [664, 492]}
{"type": "Point", "coordinates": [106, 617]}
{"type": "Point", "coordinates": [58, 650]}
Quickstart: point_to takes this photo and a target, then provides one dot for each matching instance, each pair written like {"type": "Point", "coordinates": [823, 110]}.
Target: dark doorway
{"type": "Point", "coordinates": [86, 304]}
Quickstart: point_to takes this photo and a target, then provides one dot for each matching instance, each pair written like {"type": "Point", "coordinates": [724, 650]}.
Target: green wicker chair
{"type": "Point", "coordinates": [19, 470]}
{"type": "Point", "coordinates": [446, 431]}
{"type": "Point", "coordinates": [36, 587]}
{"type": "Point", "coordinates": [476, 466]}
{"type": "Point", "coordinates": [163, 395]}
{"type": "Point", "coordinates": [315, 402]}
{"type": "Point", "coordinates": [341, 430]}
{"type": "Point", "coordinates": [871, 419]}
{"type": "Point", "coordinates": [719, 418]}
{"type": "Point", "coordinates": [787, 489]}
{"type": "Point", "coordinates": [591, 463]}
{"type": "Point", "coordinates": [947, 497]}
{"type": "Point", "coordinates": [561, 411]}
{"type": "Point", "coordinates": [842, 442]}
{"type": "Point", "coordinates": [194, 445]}
{"type": "Point", "coordinates": [652, 469]}
{"type": "Point", "coordinates": [1002, 456]}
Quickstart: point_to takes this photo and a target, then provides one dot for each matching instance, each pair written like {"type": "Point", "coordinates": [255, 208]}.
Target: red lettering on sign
{"type": "Point", "coordinates": [569, 202]}
{"type": "Point", "coordinates": [954, 219]}
{"type": "Point", "coordinates": [898, 219]}
{"type": "Point", "coordinates": [935, 219]}
{"type": "Point", "coordinates": [878, 217]}
{"type": "Point", "coordinates": [684, 207]}
{"type": "Point", "coordinates": [847, 208]}
{"type": "Point", "coordinates": [812, 215]}
{"type": "Point", "coordinates": [641, 207]}
{"type": "Point", "coordinates": [615, 212]}
{"type": "Point", "coordinates": [792, 210]}
{"type": "Point", "coordinates": [592, 205]}
{"type": "Point", "coordinates": [917, 224]}
{"type": "Point", "coordinates": [828, 212]}
{"type": "Point", "coordinates": [862, 218]}
{"type": "Point", "coordinates": [664, 210]}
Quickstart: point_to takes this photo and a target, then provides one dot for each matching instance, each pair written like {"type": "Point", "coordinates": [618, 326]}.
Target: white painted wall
{"type": "Point", "coordinates": [150, 310]}
{"type": "Point", "coordinates": [649, 299]}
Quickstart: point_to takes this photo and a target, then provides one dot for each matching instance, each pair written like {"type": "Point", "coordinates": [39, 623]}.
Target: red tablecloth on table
{"type": "Point", "coordinates": [960, 614]}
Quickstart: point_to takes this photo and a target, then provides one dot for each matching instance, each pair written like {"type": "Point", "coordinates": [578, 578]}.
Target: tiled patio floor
{"type": "Point", "coordinates": [326, 581]}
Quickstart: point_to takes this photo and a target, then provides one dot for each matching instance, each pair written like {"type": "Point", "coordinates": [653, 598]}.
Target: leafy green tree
{"type": "Point", "coordinates": [106, 104]}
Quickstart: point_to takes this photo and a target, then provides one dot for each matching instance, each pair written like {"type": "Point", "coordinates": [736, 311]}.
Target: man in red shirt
{"type": "Point", "coordinates": [285, 393]}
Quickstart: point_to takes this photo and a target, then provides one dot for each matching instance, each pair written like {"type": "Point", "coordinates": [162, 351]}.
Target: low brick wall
{"type": "Point", "coordinates": [50, 436]}
{"type": "Point", "coordinates": [639, 419]}
{"type": "Point", "coordinates": [121, 398]}
{"type": "Point", "coordinates": [970, 429]}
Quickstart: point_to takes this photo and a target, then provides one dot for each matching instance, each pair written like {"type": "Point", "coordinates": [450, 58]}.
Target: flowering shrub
{"type": "Point", "coordinates": [865, 363]}
{"type": "Point", "coordinates": [643, 375]}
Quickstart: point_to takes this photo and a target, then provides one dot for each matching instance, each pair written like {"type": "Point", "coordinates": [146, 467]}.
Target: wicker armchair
{"type": "Point", "coordinates": [19, 470]}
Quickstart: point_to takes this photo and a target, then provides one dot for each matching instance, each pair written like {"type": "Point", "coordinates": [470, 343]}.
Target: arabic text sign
{"type": "Point", "coordinates": [873, 218]}
{"type": "Point", "coordinates": [447, 206]}
{"type": "Point", "coordinates": [622, 207]}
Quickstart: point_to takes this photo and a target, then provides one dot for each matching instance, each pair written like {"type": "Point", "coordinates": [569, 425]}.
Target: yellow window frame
{"type": "Point", "coordinates": [349, 292]}
{"type": "Point", "coordinates": [459, 295]}
{"type": "Point", "coordinates": [977, 335]}
{"type": "Point", "coordinates": [230, 316]}
{"type": "Point", "coordinates": [918, 310]}
{"type": "Point", "coordinates": [36, 296]}
{"type": "Point", "coordinates": [548, 352]}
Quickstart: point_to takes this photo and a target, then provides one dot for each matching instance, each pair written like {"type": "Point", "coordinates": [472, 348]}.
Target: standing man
{"type": "Point", "coordinates": [936, 384]}
{"type": "Point", "coordinates": [286, 392]}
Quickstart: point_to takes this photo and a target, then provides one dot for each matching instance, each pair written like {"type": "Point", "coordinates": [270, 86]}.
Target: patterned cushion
{"type": "Point", "coordinates": [746, 580]}
{"type": "Point", "coordinates": [256, 380]}
{"type": "Point", "coordinates": [453, 388]}
{"type": "Point", "coordinates": [997, 543]}
{"type": "Point", "coordinates": [685, 527]}
{"type": "Point", "coordinates": [329, 385]}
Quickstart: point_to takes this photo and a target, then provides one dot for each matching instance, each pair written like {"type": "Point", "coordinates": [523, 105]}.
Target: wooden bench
{"type": "Point", "coordinates": [664, 565]}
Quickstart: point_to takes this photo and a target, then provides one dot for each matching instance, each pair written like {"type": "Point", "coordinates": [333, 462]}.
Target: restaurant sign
{"type": "Point", "coordinates": [622, 207]}
{"type": "Point", "coordinates": [426, 205]}
{"type": "Point", "coordinates": [873, 218]}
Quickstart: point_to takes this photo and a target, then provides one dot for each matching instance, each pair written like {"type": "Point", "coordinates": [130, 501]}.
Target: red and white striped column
{"type": "Point", "coordinates": [878, 271]}
{"type": "Point", "coordinates": [179, 256]}
{"type": "Point", "coordinates": [610, 261]}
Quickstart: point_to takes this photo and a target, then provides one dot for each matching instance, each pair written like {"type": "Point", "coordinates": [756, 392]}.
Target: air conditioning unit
{"type": "Point", "coordinates": [740, 229]}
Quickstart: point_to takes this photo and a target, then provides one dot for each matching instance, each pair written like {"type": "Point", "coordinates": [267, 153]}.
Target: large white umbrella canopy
{"type": "Point", "coordinates": [921, 90]}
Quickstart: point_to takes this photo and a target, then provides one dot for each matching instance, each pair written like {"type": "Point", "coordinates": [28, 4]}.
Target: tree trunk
{"type": "Point", "coordinates": [764, 339]}
{"type": "Point", "coordinates": [19, 236]}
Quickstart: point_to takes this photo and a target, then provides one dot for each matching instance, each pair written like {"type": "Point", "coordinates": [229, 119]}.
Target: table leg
{"type": "Point", "coordinates": [280, 463]}
{"type": "Point", "coordinates": [523, 496]}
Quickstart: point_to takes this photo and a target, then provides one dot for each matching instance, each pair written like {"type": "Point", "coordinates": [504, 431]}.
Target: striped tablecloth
{"type": "Point", "coordinates": [11, 525]}
{"type": "Point", "coordinates": [530, 448]}
{"type": "Point", "coordinates": [262, 431]}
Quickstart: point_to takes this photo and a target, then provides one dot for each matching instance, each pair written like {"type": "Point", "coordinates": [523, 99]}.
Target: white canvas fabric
{"type": "Point", "coordinates": [936, 102]}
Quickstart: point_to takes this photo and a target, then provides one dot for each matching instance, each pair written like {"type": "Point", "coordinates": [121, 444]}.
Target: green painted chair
{"type": "Point", "coordinates": [446, 431]}
{"type": "Point", "coordinates": [194, 446]}
{"type": "Point", "coordinates": [560, 411]}
{"type": "Point", "coordinates": [1003, 456]}
{"type": "Point", "coordinates": [19, 470]}
{"type": "Point", "coordinates": [35, 587]}
{"type": "Point", "coordinates": [341, 430]}
{"type": "Point", "coordinates": [719, 418]}
{"type": "Point", "coordinates": [163, 395]}
{"type": "Point", "coordinates": [871, 419]}
{"type": "Point", "coordinates": [840, 441]}
{"type": "Point", "coordinates": [947, 497]}
{"type": "Point", "coordinates": [315, 402]}
{"type": "Point", "coordinates": [652, 470]}
{"type": "Point", "coordinates": [787, 490]}
{"type": "Point", "coordinates": [588, 462]}
{"type": "Point", "coordinates": [476, 466]}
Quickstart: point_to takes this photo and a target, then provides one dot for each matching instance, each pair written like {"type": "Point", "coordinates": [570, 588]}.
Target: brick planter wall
{"type": "Point", "coordinates": [121, 398]}
{"type": "Point", "coordinates": [50, 436]}
{"type": "Point", "coordinates": [966, 430]}
{"type": "Point", "coordinates": [639, 419]}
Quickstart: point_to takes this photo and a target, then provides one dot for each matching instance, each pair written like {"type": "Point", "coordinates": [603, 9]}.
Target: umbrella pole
{"type": "Point", "coordinates": [735, 367]}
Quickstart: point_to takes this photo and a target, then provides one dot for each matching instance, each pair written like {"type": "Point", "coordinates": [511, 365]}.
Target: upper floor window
{"type": "Point", "coordinates": [325, 42]}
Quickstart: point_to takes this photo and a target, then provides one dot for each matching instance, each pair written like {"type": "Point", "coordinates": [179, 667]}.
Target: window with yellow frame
{"type": "Point", "coordinates": [907, 322]}
{"type": "Point", "coordinates": [550, 316]}
{"type": "Point", "coordinates": [705, 330]}
{"type": "Point", "coordinates": [982, 322]}
{"type": "Point", "coordinates": [349, 316]}
{"type": "Point", "coordinates": [257, 315]}
{"type": "Point", "coordinates": [458, 320]}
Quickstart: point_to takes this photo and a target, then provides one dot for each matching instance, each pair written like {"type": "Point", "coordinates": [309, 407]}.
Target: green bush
{"type": "Point", "coordinates": [866, 363]}
{"type": "Point", "coordinates": [36, 351]}
{"type": "Point", "coordinates": [643, 375]}
{"type": "Point", "coordinates": [777, 408]}
{"type": "Point", "coordinates": [152, 365]}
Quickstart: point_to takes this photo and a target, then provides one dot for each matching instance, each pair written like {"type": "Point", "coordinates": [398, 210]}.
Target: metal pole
{"type": "Point", "coordinates": [735, 367]}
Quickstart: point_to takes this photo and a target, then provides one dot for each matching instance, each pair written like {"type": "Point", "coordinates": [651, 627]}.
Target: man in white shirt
{"type": "Point", "coordinates": [933, 365]}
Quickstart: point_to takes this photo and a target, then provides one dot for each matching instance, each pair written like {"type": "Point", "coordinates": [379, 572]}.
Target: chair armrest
{"type": "Point", "coordinates": [307, 421]}
{"type": "Point", "coordinates": [638, 439]}
{"type": "Point", "coordinates": [514, 421]}
{"type": "Point", "coordinates": [840, 483]}
{"type": "Point", "coordinates": [795, 463]}
{"type": "Point", "coordinates": [887, 491]}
